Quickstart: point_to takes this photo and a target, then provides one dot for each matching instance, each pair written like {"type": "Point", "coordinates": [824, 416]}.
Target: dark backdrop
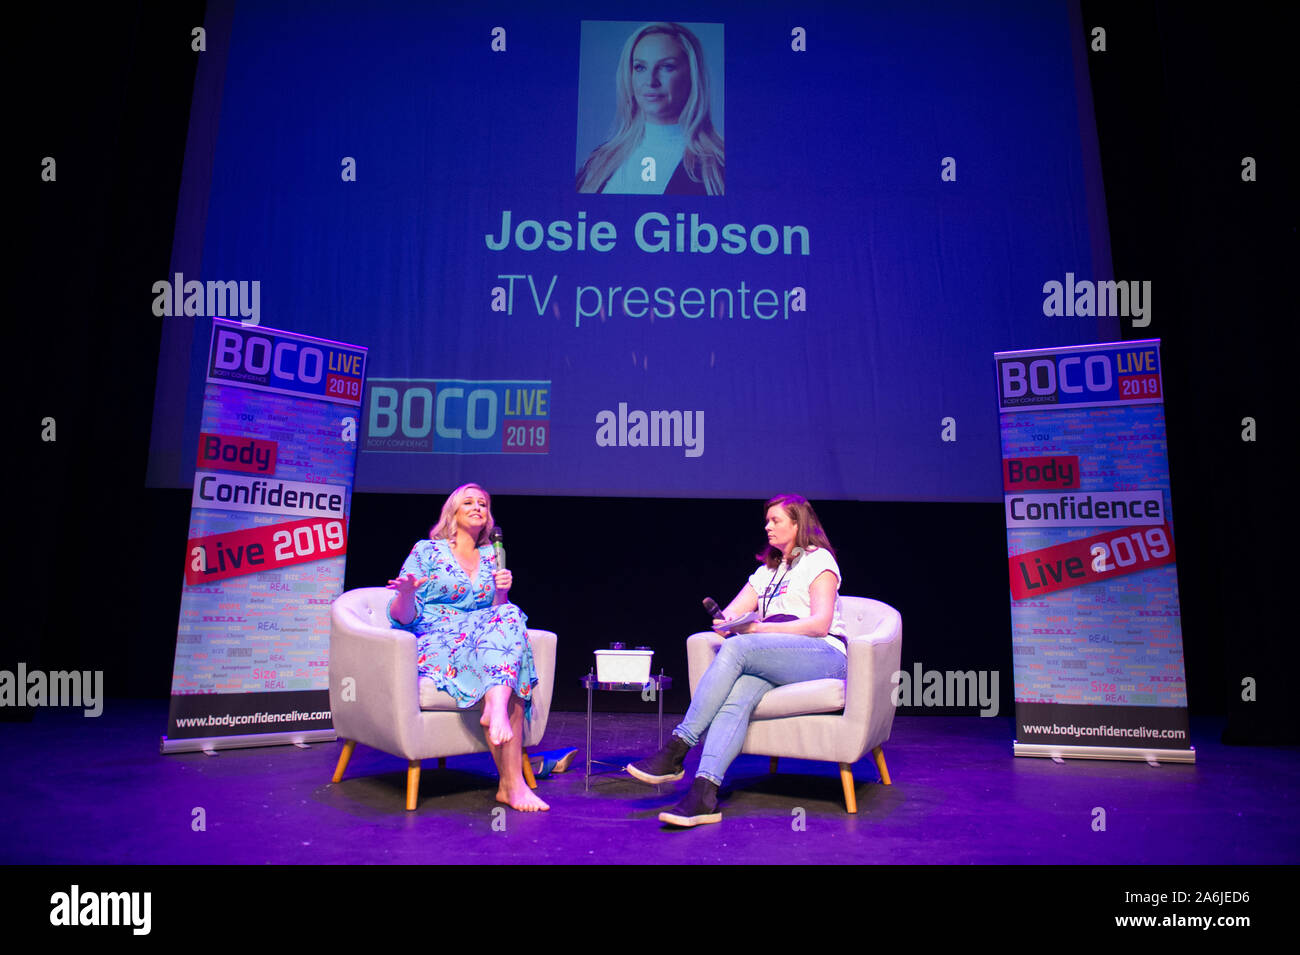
{"type": "Point", "coordinates": [1181, 95]}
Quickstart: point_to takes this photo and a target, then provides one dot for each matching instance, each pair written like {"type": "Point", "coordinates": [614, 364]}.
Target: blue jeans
{"type": "Point", "coordinates": [746, 667]}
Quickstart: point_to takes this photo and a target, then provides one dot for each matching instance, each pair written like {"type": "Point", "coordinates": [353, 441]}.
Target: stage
{"type": "Point", "coordinates": [96, 791]}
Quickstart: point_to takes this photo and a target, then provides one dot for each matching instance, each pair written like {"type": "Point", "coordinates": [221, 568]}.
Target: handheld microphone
{"type": "Point", "coordinates": [496, 537]}
{"type": "Point", "coordinates": [712, 607]}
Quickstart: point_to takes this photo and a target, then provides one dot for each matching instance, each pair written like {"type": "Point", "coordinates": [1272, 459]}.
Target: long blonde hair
{"type": "Point", "coordinates": [446, 526]}
{"type": "Point", "coordinates": [703, 158]}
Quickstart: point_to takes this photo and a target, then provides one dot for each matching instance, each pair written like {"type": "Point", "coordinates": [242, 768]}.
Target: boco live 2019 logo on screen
{"type": "Point", "coordinates": [457, 416]}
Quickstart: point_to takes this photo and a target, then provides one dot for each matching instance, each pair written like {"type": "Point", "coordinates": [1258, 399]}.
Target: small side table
{"type": "Point", "coordinates": [658, 681]}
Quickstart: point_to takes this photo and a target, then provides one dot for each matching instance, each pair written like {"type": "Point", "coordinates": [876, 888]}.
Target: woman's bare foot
{"type": "Point", "coordinates": [496, 718]}
{"type": "Point", "coordinates": [519, 796]}
{"type": "Point", "coordinates": [497, 724]}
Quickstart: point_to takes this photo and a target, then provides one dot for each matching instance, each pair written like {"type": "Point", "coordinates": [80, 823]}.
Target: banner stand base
{"type": "Point", "coordinates": [201, 743]}
{"type": "Point", "coordinates": [1105, 752]}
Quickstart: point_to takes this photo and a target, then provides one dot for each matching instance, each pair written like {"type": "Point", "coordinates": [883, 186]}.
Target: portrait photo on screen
{"type": "Point", "coordinates": [650, 109]}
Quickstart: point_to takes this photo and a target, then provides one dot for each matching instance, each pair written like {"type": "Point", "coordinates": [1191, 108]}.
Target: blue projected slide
{"type": "Point", "coordinates": [591, 254]}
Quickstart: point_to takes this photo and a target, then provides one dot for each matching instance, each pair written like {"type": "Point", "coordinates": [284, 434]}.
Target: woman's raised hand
{"type": "Point", "coordinates": [407, 584]}
{"type": "Point", "coordinates": [504, 580]}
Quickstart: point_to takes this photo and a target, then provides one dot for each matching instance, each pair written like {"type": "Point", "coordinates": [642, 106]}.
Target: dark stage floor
{"type": "Point", "coordinates": [80, 791]}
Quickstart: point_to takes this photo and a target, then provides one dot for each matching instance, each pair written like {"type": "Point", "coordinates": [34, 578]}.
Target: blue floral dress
{"type": "Point", "coordinates": [462, 642]}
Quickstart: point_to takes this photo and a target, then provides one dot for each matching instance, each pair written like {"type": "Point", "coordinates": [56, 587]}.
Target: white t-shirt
{"type": "Point", "coordinates": [789, 589]}
{"type": "Point", "coordinates": [667, 144]}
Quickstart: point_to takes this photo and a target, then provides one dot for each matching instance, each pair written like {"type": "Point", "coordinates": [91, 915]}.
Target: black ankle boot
{"type": "Point", "coordinates": [664, 766]}
{"type": "Point", "coordinates": [698, 808]}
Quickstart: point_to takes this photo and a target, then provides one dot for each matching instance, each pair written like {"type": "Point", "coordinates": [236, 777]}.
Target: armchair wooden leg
{"type": "Point", "coordinates": [412, 784]}
{"type": "Point", "coordinates": [529, 778]}
{"type": "Point", "coordinates": [771, 766]}
{"type": "Point", "coordinates": [850, 793]}
{"type": "Point", "coordinates": [348, 746]}
{"type": "Point", "coordinates": [879, 755]}
{"type": "Point", "coordinates": [442, 762]}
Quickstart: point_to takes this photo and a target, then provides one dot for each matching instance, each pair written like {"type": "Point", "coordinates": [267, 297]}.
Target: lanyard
{"type": "Point", "coordinates": [773, 589]}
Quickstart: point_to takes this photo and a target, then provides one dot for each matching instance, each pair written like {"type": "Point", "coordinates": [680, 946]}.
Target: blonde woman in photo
{"type": "Point", "coordinates": [663, 113]}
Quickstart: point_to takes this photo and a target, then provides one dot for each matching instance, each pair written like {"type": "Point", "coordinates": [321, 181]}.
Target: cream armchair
{"type": "Point", "coordinates": [834, 720]}
{"type": "Point", "coordinates": [376, 698]}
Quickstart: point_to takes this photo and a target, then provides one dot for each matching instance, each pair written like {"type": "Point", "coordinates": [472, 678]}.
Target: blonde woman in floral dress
{"type": "Point", "coordinates": [470, 640]}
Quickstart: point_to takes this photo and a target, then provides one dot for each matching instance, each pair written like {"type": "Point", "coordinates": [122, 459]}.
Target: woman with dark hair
{"type": "Point", "coordinates": [468, 639]}
{"type": "Point", "coordinates": [663, 106]}
{"type": "Point", "coordinates": [797, 637]}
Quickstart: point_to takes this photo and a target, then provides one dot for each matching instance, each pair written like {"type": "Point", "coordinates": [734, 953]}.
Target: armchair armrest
{"type": "Point", "coordinates": [374, 694]}
{"type": "Point", "coordinates": [873, 660]}
{"type": "Point", "coordinates": [543, 643]}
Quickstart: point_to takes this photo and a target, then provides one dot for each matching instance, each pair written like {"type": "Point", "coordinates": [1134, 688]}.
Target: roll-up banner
{"type": "Point", "coordinates": [1096, 635]}
{"type": "Point", "coordinates": [267, 541]}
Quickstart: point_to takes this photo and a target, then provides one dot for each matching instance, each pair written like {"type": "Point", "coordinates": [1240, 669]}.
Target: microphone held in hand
{"type": "Point", "coordinates": [711, 605]}
{"type": "Point", "coordinates": [496, 537]}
